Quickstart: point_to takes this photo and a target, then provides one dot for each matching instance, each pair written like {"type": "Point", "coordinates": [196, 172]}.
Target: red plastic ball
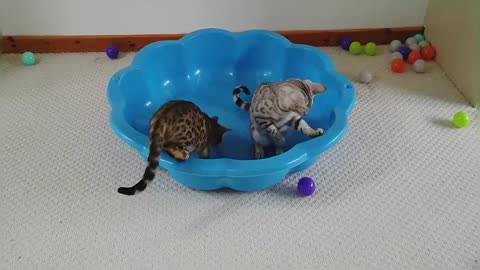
{"type": "Point", "coordinates": [414, 56]}
{"type": "Point", "coordinates": [428, 52]}
{"type": "Point", "coordinates": [398, 66]}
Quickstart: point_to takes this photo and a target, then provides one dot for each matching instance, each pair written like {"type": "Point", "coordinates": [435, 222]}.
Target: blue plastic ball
{"type": "Point", "coordinates": [306, 186]}
{"type": "Point", "coordinates": [345, 43]}
{"type": "Point", "coordinates": [405, 51]}
{"type": "Point", "coordinates": [112, 52]}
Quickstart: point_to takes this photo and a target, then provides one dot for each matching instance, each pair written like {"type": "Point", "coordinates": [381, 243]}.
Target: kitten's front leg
{"type": "Point", "coordinates": [299, 124]}
{"type": "Point", "coordinates": [277, 137]}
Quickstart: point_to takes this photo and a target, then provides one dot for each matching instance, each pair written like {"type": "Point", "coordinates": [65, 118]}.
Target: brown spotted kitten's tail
{"type": "Point", "coordinates": [237, 100]}
{"type": "Point", "coordinates": [149, 174]}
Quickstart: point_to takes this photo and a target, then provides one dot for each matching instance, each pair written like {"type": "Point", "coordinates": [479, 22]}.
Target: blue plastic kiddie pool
{"type": "Point", "coordinates": [204, 67]}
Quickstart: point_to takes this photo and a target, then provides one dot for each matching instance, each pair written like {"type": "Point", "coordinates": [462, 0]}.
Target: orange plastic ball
{"type": "Point", "coordinates": [428, 52]}
{"type": "Point", "coordinates": [398, 66]}
{"type": "Point", "coordinates": [414, 56]}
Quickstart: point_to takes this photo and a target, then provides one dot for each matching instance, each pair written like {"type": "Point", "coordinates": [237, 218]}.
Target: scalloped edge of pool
{"type": "Point", "coordinates": [240, 175]}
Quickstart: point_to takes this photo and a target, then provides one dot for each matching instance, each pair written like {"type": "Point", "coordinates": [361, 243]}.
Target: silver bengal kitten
{"type": "Point", "coordinates": [275, 107]}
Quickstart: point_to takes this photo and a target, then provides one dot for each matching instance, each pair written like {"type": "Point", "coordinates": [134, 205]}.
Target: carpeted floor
{"type": "Point", "coordinates": [401, 191]}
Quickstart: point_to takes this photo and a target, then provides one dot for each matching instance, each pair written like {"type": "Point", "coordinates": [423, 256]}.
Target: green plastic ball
{"type": "Point", "coordinates": [461, 119]}
{"type": "Point", "coordinates": [355, 48]}
{"type": "Point", "coordinates": [28, 58]}
{"type": "Point", "coordinates": [419, 37]}
{"type": "Point", "coordinates": [371, 49]}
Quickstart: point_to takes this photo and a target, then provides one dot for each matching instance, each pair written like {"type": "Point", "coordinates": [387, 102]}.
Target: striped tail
{"type": "Point", "coordinates": [148, 175]}
{"type": "Point", "coordinates": [237, 100]}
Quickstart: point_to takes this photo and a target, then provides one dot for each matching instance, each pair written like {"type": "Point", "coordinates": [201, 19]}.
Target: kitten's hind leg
{"type": "Point", "coordinates": [178, 152]}
{"type": "Point", "coordinates": [299, 124]}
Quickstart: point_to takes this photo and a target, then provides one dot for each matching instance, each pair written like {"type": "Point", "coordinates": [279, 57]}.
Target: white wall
{"type": "Point", "coordinates": [70, 17]}
{"type": "Point", "coordinates": [453, 28]}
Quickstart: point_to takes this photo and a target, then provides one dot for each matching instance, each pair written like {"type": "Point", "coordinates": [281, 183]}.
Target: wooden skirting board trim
{"type": "Point", "coordinates": [98, 43]}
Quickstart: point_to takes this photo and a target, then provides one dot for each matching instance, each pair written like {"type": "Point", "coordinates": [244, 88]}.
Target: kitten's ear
{"type": "Point", "coordinates": [316, 87]}
{"type": "Point", "coordinates": [215, 119]}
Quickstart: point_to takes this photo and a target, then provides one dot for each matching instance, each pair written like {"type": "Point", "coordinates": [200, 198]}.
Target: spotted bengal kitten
{"type": "Point", "coordinates": [179, 128]}
{"type": "Point", "coordinates": [275, 107]}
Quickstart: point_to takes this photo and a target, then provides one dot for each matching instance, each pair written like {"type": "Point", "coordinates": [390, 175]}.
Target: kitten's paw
{"type": "Point", "coordinates": [259, 152]}
{"type": "Point", "coordinates": [317, 132]}
{"type": "Point", "coordinates": [259, 155]}
{"type": "Point", "coordinates": [279, 150]}
{"type": "Point", "coordinates": [184, 154]}
{"type": "Point", "coordinates": [181, 155]}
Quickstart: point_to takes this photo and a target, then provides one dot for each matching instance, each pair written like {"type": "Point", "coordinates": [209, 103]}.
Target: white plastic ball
{"type": "Point", "coordinates": [396, 55]}
{"type": "Point", "coordinates": [424, 43]}
{"type": "Point", "coordinates": [410, 41]}
{"type": "Point", "coordinates": [365, 76]}
{"type": "Point", "coordinates": [394, 45]}
{"type": "Point", "coordinates": [414, 47]}
{"type": "Point", "coordinates": [419, 66]}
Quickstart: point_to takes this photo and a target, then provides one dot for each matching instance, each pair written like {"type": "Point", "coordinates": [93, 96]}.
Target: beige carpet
{"type": "Point", "coordinates": [401, 191]}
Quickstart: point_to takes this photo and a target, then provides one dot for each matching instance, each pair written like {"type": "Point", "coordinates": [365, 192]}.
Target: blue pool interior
{"type": "Point", "coordinates": [202, 73]}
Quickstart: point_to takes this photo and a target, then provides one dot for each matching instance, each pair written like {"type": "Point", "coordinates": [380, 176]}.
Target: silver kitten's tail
{"type": "Point", "coordinates": [236, 97]}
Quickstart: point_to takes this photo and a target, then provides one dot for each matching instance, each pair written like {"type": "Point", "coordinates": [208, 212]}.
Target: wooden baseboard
{"type": "Point", "coordinates": [98, 43]}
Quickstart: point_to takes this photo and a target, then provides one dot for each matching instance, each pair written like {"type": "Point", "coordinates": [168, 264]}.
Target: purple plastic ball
{"type": "Point", "coordinates": [306, 186]}
{"type": "Point", "coordinates": [345, 43]}
{"type": "Point", "coordinates": [405, 51]}
{"type": "Point", "coordinates": [112, 51]}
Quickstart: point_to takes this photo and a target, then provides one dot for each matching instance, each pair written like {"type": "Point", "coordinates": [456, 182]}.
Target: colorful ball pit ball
{"type": "Point", "coordinates": [419, 66]}
{"type": "Point", "coordinates": [28, 58]}
{"type": "Point", "coordinates": [345, 43]}
{"type": "Point", "coordinates": [461, 119]}
{"type": "Point", "coordinates": [306, 186]}
{"type": "Point", "coordinates": [371, 49]}
{"type": "Point", "coordinates": [112, 52]}
{"type": "Point", "coordinates": [424, 43]}
{"type": "Point", "coordinates": [428, 52]}
{"type": "Point", "coordinates": [419, 37]}
{"type": "Point", "coordinates": [365, 76]}
{"type": "Point", "coordinates": [410, 41]}
{"type": "Point", "coordinates": [414, 47]}
{"type": "Point", "coordinates": [397, 66]}
{"type": "Point", "coordinates": [414, 56]}
{"type": "Point", "coordinates": [405, 51]}
{"type": "Point", "coordinates": [396, 55]}
{"type": "Point", "coordinates": [355, 48]}
{"type": "Point", "coordinates": [395, 45]}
